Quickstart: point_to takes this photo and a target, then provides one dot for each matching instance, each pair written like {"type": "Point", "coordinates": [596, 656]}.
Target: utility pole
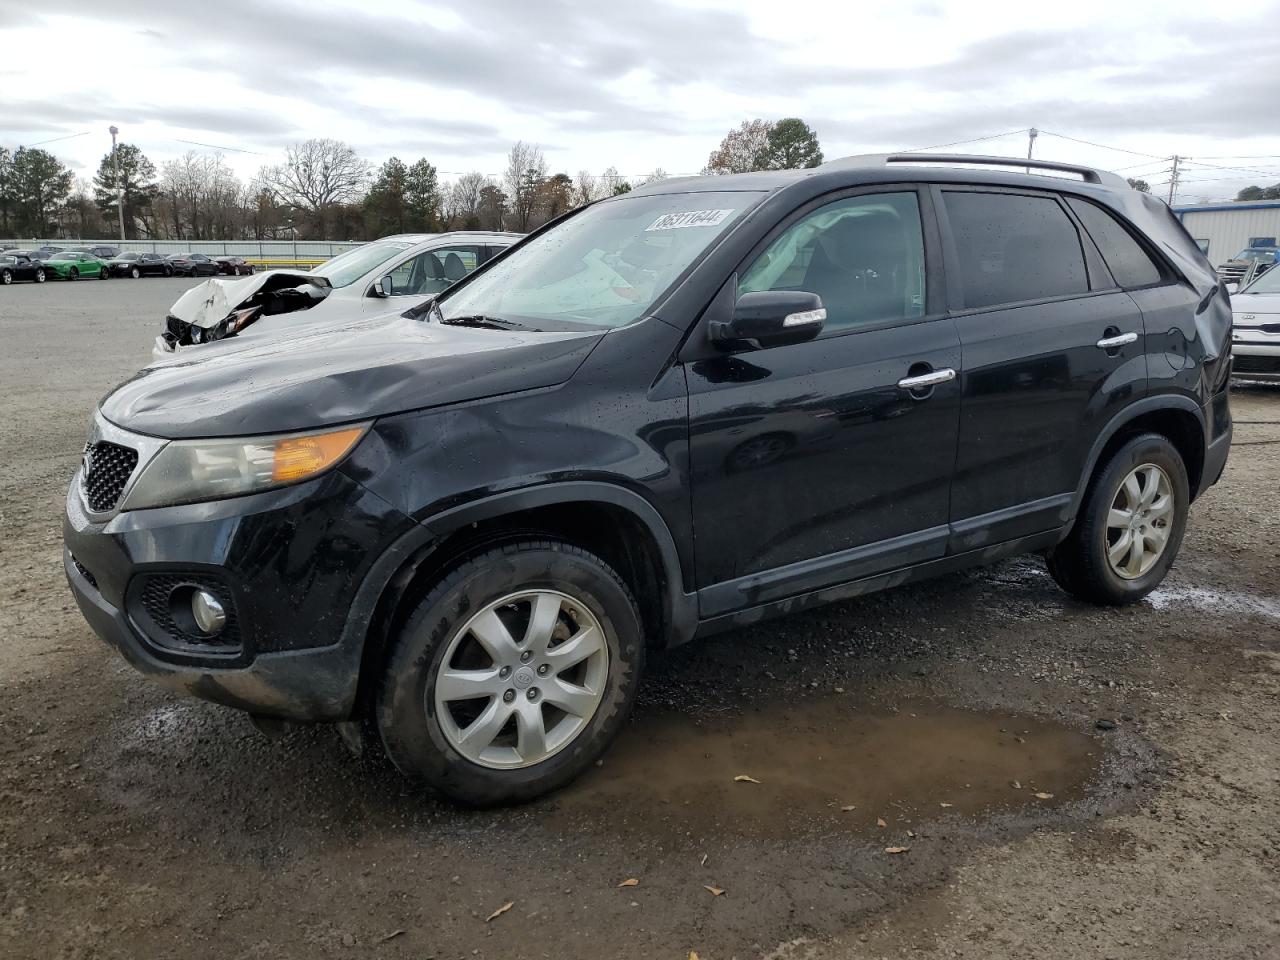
{"type": "Point", "coordinates": [115, 162]}
{"type": "Point", "coordinates": [1173, 179]}
{"type": "Point", "coordinates": [1031, 142]}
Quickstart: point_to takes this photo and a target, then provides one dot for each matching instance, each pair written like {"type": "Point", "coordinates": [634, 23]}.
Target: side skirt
{"type": "Point", "coordinates": [1034, 543]}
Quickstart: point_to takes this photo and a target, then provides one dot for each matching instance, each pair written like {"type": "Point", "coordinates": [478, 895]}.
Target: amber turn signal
{"type": "Point", "coordinates": [297, 458]}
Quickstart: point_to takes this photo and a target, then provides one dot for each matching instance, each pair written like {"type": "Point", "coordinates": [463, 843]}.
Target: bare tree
{"type": "Point", "coordinates": [316, 176]}
{"type": "Point", "coordinates": [742, 150]}
{"type": "Point", "coordinates": [653, 177]}
{"type": "Point", "coordinates": [526, 169]}
{"type": "Point", "coordinates": [463, 201]}
{"type": "Point", "coordinates": [586, 187]}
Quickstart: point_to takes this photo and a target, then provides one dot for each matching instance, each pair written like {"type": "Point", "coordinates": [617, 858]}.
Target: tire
{"type": "Point", "coordinates": [6, 277]}
{"type": "Point", "coordinates": [74, 274]}
{"type": "Point", "coordinates": [1080, 564]}
{"type": "Point", "coordinates": [104, 273]}
{"type": "Point", "coordinates": [168, 271]}
{"type": "Point", "coordinates": [135, 272]}
{"type": "Point", "coordinates": [40, 276]}
{"type": "Point", "coordinates": [419, 735]}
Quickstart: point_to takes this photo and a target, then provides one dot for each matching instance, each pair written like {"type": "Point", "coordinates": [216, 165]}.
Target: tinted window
{"type": "Point", "coordinates": [1014, 248]}
{"type": "Point", "coordinates": [864, 256]}
{"type": "Point", "coordinates": [1129, 263]}
{"type": "Point", "coordinates": [431, 272]}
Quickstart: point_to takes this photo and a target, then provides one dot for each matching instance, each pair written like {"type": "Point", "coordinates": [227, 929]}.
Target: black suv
{"type": "Point", "coordinates": [693, 406]}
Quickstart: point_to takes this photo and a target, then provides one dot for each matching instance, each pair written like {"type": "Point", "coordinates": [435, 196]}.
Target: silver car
{"type": "Point", "coordinates": [376, 278]}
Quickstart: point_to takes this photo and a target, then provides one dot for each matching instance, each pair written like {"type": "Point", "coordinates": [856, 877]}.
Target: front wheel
{"type": "Point", "coordinates": [135, 272]}
{"type": "Point", "coordinates": [39, 276]}
{"type": "Point", "coordinates": [6, 277]}
{"type": "Point", "coordinates": [513, 674]}
{"type": "Point", "coordinates": [1130, 525]}
{"type": "Point", "coordinates": [168, 271]}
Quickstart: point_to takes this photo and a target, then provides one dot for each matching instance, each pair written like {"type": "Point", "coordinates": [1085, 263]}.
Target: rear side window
{"type": "Point", "coordinates": [1014, 248]}
{"type": "Point", "coordinates": [1129, 263]}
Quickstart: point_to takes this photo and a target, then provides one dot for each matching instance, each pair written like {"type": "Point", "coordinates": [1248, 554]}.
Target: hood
{"type": "Point", "coordinates": [208, 304]}
{"type": "Point", "coordinates": [364, 369]}
{"type": "Point", "coordinates": [1259, 304]}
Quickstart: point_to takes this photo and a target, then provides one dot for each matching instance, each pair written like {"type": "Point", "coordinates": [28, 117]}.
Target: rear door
{"type": "Point", "coordinates": [811, 465]}
{"type": "Point", "coordinates": [1051, 350]}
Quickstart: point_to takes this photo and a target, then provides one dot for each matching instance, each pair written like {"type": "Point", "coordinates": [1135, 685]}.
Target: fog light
{"type": "Point", "coordinates": [208, 612]}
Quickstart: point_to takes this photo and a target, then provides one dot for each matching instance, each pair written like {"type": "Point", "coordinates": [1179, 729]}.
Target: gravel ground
{"type": "Point", "coordinates": [957, 719]}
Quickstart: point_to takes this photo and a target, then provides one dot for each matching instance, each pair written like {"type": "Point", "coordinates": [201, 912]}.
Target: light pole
{"type": "Point", "coordinates": [1031, 142]}
{"type": "Point", "coordinates": [115, 162]}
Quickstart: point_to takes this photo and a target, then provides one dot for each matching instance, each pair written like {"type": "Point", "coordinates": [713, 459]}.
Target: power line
{"type": "Point", "coordinates": [69, 136]}
{"type": "Point", "coordinates": [216, 146]}
{"type": "Point", "coordinates": [956, 143]}
{"type": "Point", "coordinates": [1103, 146]}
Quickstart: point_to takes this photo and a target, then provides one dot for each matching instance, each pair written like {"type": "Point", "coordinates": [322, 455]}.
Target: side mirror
{"type": "Point", "coordinates": [772, 318]}
{"type": "Point", "coordinates": [1231, 287]}
{"type": "Point", "coordinates": [382, 287]}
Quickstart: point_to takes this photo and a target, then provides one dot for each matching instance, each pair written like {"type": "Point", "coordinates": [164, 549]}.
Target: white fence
{"type": "Point", "coordinates": [257, 249]}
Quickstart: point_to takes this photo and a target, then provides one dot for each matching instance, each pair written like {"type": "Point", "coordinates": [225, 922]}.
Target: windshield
{"type": "Point", "coordinates": [603, 267]}
{"type": "Point", "coordinates": [1265, 256]}
{"type": "Point", "coordinates": [346, 268]}
{"type": "Point", "coordinates": [1269, 282]}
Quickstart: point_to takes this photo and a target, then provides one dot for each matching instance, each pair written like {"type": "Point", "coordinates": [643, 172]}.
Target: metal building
{"type": "Point", "coordinates": [1224, 229]}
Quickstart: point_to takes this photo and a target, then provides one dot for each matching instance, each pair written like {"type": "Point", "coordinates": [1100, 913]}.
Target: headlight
{"type": "Point", "coordinates": [187, 471]}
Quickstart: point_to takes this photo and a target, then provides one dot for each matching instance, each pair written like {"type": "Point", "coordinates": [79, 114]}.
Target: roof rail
{"type": "Point", "coordinates": [1087, 174]}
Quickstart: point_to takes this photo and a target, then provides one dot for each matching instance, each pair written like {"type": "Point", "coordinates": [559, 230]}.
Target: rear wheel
{"type": "Point", "coordinates": [168, 271]}
{"type": "Point", "coordinates": [1130, 525]}
{"type": "Point", "coordinates": [39, 276]}
{"type": "Point", "coordinates": [104, 273]}
{"type": "Point", "coordinates": [6, 277]}
{"type": "Point", "coordinates": [513, 674]}
{"type": "Point", "coordinates": [73, 274]}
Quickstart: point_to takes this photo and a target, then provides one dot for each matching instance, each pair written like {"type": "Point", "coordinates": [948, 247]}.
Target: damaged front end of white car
{"type": "Point", "coordinates": [222, 308]}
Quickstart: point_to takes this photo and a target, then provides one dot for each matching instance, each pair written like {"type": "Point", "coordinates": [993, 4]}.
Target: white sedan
{"type": "Point", "coordinates": [1255, 329]}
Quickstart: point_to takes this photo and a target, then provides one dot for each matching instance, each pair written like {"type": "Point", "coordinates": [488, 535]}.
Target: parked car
{"type": "Point", "coordinates": [234, 266]}
{"type": "Point", "coordinates": [48, 251]}
{"type": "Point", "coordinates": [1255, 331]}
{"type": "Point", "coordinates": [101, 252]}
{"type": "Point", "coordinates": [70, 265]}
{"type": "Point", "coordinates": [32, 254]}
{"type": "Point", "coordinates": [377, 278]}
{"type": "Point", "coordinates": [1247, 264]}
{"type": "Point", "coordinates": [466, 523]}
{"type": "Point", "coordinates": [140, 265]}
{"type": "Point", "coordinates": [17, 266]}
{"type": "Point", "coordinates": [191, 265]}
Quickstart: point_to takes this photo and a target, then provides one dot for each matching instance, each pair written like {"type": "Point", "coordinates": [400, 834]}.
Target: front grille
{"type": "Point", "coordinates": [173, 629]}
{"type": "Point", "coordinates": [1248, 364]}
{"type": "Point", "coordinates": [84, 572]}
{"type": "Point", "coordinates": [109, 467]}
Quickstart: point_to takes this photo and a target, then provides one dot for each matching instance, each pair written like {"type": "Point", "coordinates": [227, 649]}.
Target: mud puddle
{"type": "Point", "coordinates": [826, 766]}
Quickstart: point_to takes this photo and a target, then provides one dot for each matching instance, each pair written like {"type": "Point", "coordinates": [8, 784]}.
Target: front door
{"type": "Point", "coordinates": [811, 464]}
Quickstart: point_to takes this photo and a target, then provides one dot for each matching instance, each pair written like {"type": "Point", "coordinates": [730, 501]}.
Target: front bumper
{"type": "Point", "coordinates": [1255, 355]}
{"type": "Point", "coordinates": [305, 566]}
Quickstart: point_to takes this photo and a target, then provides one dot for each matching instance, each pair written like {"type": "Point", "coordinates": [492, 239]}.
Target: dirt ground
{"type": "Point", "coordinates": [957, 720]}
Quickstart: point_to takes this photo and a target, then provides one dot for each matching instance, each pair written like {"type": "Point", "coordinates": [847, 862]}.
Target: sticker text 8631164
{"type": "Point", "coordinates": [691, 218]}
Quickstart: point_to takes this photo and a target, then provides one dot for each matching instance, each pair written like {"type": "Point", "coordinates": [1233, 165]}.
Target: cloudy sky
{"type": "Point", "coordinates": [639, 84]}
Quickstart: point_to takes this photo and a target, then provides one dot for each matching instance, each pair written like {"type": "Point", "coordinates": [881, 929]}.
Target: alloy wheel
{"type": "Point", "coordinates": [6, 277]}
{"type": "Point", "coordinates": [521, 679]}
{"type": "Point", "coordinates": [135, 273]}
{"type": "Point", "coordinates": [39, 276]}
{"type": "Point", "coordinates": [1139, 521]}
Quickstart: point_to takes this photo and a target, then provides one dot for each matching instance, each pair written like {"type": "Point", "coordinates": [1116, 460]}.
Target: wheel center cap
{"type": "Point", "coordinates": [523, 678]}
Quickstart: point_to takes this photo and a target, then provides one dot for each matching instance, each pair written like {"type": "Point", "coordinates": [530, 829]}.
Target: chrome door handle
{"type": "Point", "coordinates": [1112, 343]}
{"type": "Point", "coordinates": [930, 379]}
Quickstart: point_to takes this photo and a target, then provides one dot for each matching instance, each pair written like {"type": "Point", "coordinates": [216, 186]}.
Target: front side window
{"type": "Point", "coordinates": [431, 272]}
{"type": "Point", "coordinates": [603, 267]}
{"type": "Point", "coordinates": [864, 256]}
{"type": "Point", "coordinates": [1014, 247]}
{"type": "Point", "coordinates": [1126, 259]}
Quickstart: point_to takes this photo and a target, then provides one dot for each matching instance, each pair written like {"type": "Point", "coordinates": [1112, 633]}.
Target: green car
{"type": "Point", "coordinates": [70, 265]}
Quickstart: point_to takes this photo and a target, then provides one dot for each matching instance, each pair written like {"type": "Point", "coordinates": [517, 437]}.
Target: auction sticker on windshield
{"type": "Point", "coordinates": [691, 218]}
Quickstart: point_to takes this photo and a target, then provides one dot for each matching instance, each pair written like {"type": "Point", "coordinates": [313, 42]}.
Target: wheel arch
{"type": "Point", "coordinates": [617, 524]}
{"type": "Point", "coordinates": [1176, 417]}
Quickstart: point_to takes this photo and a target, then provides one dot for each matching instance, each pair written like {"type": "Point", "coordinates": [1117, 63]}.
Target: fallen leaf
{"type": "Point", "coordinates": [1043, 796]}
{"type": "Point", "coordinates": [911, 834]}
{"type": "Point", "coordinates": [714, 891]}
{"type": "Point", "coordinates": [743, 778]}
{"type": "Point", "coordinates": [946, 804]}
{"type": "Point", "coordinates": [880, 822]}
{"type": "Point", "coordinates": [1017, 785]}
{"type": "Point", "coordinates": [500, 911]}
{"type": "Point", "coordinates": [896, 849]}
{"type": "Point", "coordinates": [630, 882]}
{"type": "Point", "coordinates": [391, 936]}
{"type": "Point", "coordinates": [848, 808]}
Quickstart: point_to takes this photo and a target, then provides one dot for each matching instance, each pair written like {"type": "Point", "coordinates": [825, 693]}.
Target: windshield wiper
{"type": "Point", "coordinates": [487, 323]}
